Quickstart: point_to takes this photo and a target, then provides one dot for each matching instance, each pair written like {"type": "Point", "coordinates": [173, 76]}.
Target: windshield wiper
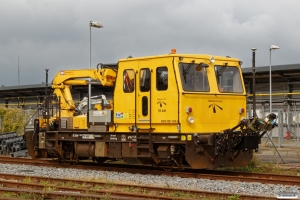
{"type": "Point", "coordinates": [221, 70]}
{"type": "Point", "coordinates": [186, 70]}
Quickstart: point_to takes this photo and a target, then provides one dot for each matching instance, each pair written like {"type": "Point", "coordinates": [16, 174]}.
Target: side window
{"type": "Point", "coordinates": [162, 78]}
{"type": "Point", "coordinates": [145, 80]}
{"type": "Point", "coordinates": [128, 80]}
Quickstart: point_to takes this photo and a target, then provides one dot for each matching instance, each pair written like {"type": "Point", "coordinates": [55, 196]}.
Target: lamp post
{"type": "Point", "coordinates": [96, 25]}
{"type": "Point", "coordinates": [47, 81]}
{"type": "Point", "coordinates": [272, 47]}
{"type": "Point", "coordinates": [253, 82]}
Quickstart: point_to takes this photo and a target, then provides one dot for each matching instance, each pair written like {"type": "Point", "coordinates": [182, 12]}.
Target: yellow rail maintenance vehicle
{"type": "Point", "coordinates": [171, 111]}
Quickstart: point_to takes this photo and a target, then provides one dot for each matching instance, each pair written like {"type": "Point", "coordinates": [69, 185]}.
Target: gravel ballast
{"type": "Point", "coordinates": [233, 187]}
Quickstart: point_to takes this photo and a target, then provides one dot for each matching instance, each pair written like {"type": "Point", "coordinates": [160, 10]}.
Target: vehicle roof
{"type": "Point", "coordinates": [205, 56]}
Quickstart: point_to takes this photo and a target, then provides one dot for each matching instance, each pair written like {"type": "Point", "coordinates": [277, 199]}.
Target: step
{"type": "Point", "coordinates": [144, 156]}
{"type": "Point", "coordinates": [142, 147]}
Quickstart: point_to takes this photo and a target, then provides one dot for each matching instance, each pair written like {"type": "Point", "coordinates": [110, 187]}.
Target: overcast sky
{"type": "Point", "coordinates": [54, 34]}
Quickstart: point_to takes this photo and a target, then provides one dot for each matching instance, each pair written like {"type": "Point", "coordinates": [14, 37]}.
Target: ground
{"type": "Point", "coordinates": [288, 154]}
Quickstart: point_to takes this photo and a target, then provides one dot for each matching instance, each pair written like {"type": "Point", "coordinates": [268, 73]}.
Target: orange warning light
{"type": "Point", "coordinates": [173, 50]}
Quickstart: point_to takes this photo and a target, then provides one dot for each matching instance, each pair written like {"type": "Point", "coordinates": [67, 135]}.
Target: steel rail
{"type": "Point", "coordinates": [203, 174]}
{"type": "Point", "coordinates": [82, 189]}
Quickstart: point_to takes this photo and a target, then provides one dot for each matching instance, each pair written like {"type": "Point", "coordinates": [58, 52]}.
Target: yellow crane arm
{"type": "Point", "coordinates": [65, 78]}
{"type": "Point", "coordinates": [107, 76]}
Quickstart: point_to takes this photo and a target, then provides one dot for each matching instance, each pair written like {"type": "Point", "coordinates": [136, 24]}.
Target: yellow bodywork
{"type": "Point", "coordinates": [151, 93]}
{"type": "Point", "coordinates": [212, 110]}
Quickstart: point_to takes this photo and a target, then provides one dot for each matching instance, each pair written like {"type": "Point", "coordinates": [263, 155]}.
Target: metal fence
{"type": "Point", "coordinates": [33, 114]}
{"type": "Point", "coordinates": [288, 119]}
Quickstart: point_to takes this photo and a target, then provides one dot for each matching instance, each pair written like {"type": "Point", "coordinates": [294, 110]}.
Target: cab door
{"type": "Point", "coordinates": [144, 94]}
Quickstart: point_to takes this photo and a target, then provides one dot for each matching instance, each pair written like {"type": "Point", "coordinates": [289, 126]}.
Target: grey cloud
{"type": "Point", "coordinates": [55, 34]}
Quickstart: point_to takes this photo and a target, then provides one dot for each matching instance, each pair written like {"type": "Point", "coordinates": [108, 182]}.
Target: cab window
{"type": "Point", "coordinates": [194, 77]}
{"type": "Point", "coordinates": [228, 79]}
{"type": "Point", "coordinates": [128, 80]}
{"type": "Point", "coordinates": [162, 78]}
{"type": "Point", "coordinates": [145, 80]}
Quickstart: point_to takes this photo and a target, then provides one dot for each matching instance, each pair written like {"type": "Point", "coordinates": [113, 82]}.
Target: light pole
{"type": "Point", "coordinates": [253, 82]}
{"type": "Point", "coordinates": [272, 47]}
{"type": "Point", "coordinates": [47, 82]}
{"type": "Point", "coordinates": [96, 25]}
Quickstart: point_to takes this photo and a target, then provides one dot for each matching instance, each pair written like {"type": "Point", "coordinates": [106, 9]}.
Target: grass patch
{"type": "Point", "coordinates": [73, 198]}
{"type": "Point", "coordinates": [8, 194]}
{"type": "Point", "coordinates": [27, 180]}
{"type": "Point", "coordinates": [180, 194]}
{"type": "Point", "coordinates": [45, 183]}
{"type": "Point", "coordinates": [144, 191]}
{"type": "Point", "coordinates": [27, 196]}
{"type": "Point", "coordinates": [109, 185]}
{"type": "Point", "coordinates": [234, 197]}
{"type": "Point", "coordinates": [106, 197]}
{"type": "Point", "coordinates": [67, 184]}
{"type": "Point", "coordinates": [96, 187]}
{"type": "Point", "coordinates": [19, 196]}
{"type": "Point", "coordinates": [257, 166]}
{"type": "Point", "coordinates": [65, 198]}
{"type": "Point", "coordinates": [50, 189]}
{"type": "Point", "coordinates": [128, 189]}
{"type": "Point", "coordinates": [77, 185]}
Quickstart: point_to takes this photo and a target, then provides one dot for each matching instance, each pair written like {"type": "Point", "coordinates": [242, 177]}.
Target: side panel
{"type": "Point", "coordinates": [211, 113]}
{"type": "Point", "coordinates": [125, 102]}
{"type": "Point", "coordinates": [164, 99]}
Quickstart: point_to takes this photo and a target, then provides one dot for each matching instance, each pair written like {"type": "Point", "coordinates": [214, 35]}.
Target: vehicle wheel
{"type": "Point", "coordinates": [101, 159]}
{"type": "Point", "coordinates": [167, 169]}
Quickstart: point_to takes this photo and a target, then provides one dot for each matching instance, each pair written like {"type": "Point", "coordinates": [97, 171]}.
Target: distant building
{"type": "Point", "coordinates": [285, 89]}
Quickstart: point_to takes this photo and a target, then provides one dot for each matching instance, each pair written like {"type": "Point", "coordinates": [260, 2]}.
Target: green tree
{"type": "Point", "coordinates": [13, 119]}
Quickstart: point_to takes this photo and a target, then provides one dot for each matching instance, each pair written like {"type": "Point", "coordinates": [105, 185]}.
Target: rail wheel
{"type": "Point", "coordinates": [101, 159]}
{"type": "Point", "coordinates": [167, 169]}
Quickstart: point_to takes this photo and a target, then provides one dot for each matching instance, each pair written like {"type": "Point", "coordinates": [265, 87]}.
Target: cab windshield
{"type": "Point", "coordinates": [228, 79]}
{"type": "Point", "coordinates": [193, 77]}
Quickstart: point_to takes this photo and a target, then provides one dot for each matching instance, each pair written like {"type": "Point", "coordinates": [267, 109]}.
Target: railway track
{"type": "Point", "coordinates": [56, 188]}
{"type": "Point", "coordinates": [203, 174]}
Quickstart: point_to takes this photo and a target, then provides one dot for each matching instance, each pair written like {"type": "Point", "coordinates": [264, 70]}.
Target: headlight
{"type": "Point", "coordinates": [191, 120]}
{"type": "Point", "coordinates": [212, 59]}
